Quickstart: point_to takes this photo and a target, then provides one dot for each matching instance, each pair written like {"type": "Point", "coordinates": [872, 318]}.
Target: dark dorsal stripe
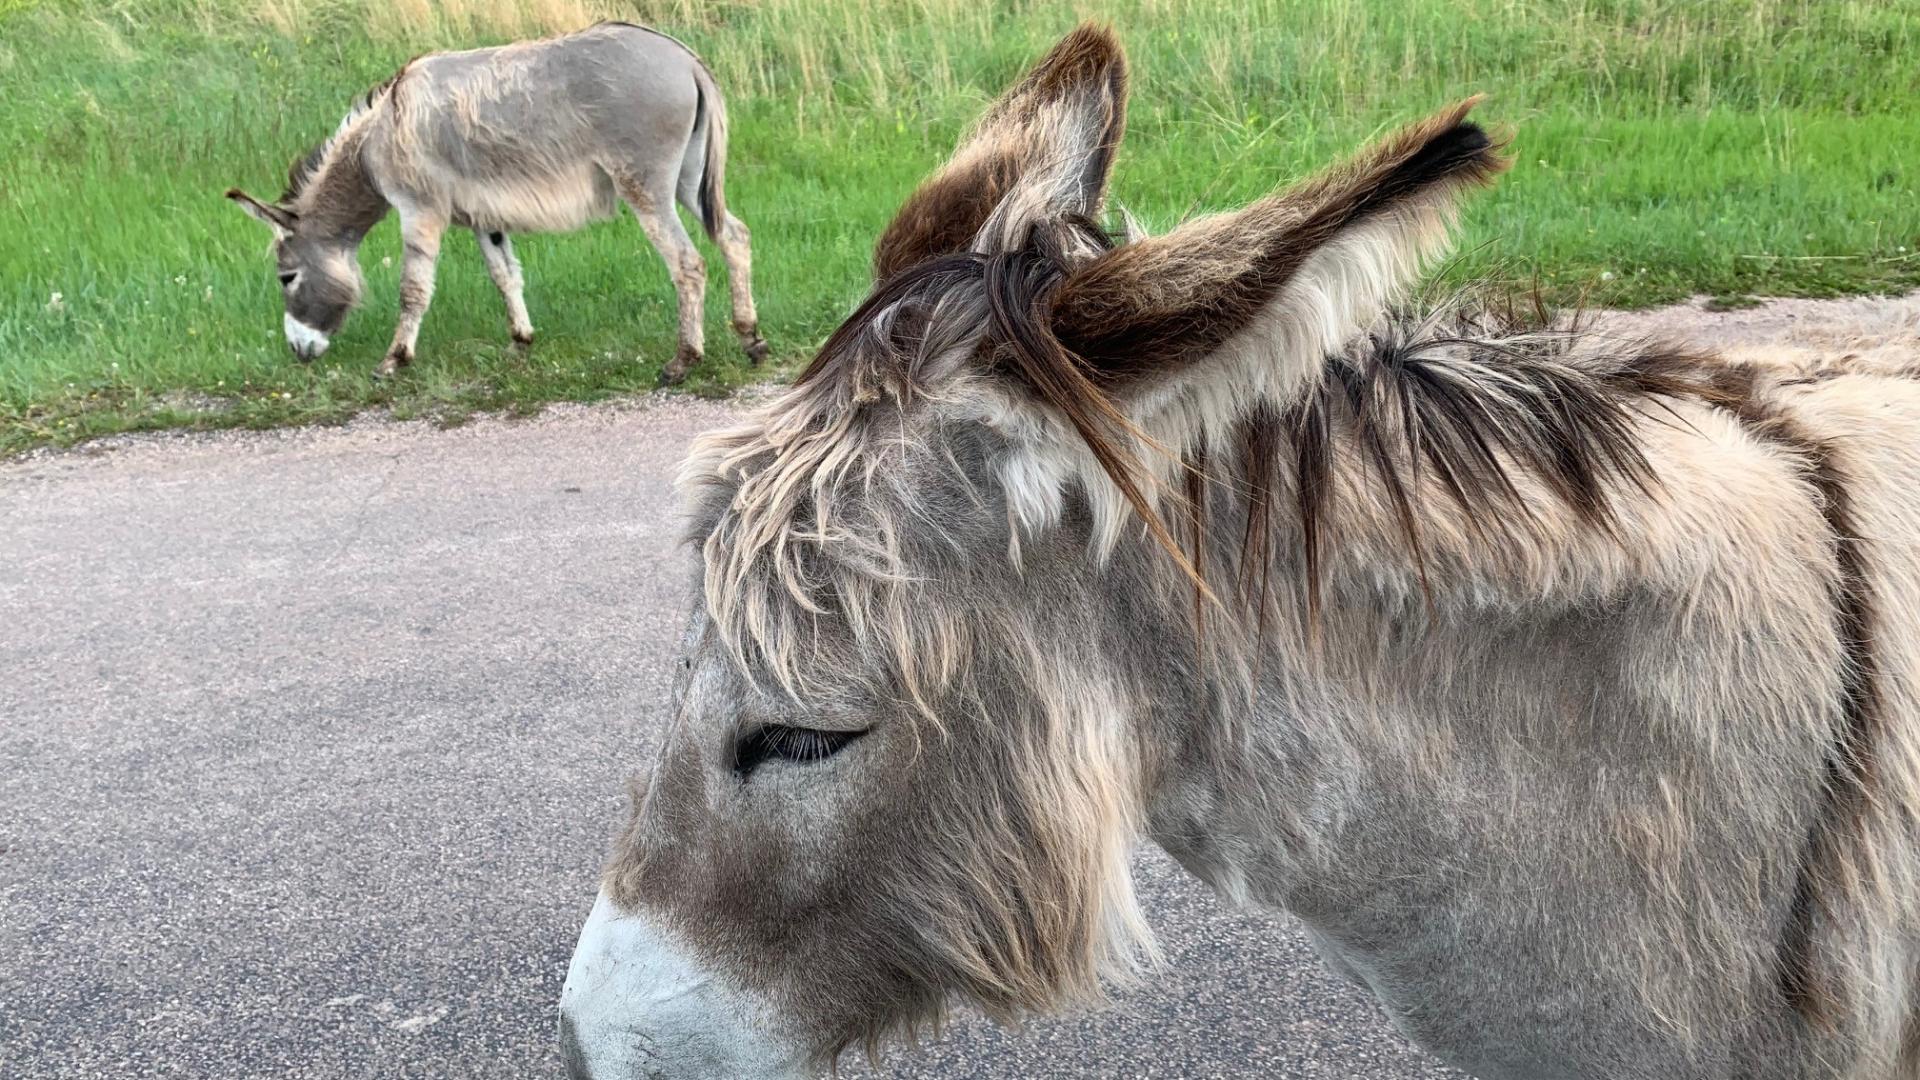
{"type": "Point", "coordinates": [1848, 775]}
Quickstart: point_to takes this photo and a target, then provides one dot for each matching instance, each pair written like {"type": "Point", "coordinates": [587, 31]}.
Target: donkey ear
{"type": "Point", "coordinates": [278, 218]}
{"type": "Point", "coordinates": [1044, 149]}
{"type": "Point", "coordinates": [1292, 276]}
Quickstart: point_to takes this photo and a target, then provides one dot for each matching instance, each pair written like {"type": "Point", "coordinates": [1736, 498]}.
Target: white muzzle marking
{"type": "Point", "coordinates": [638, 1006]}
{"type": "Point", "coordinates": [307, 342]}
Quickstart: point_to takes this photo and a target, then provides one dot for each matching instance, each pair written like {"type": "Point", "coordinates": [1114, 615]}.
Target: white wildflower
{"type": "Point", "coordinates": [179, 279]}
{"type": "Point", "coordinates": [1606, 275]}
{"type": "Point", "coordinates": [58, 301]}
{"type": "Point", "coordinates": [386, 260]}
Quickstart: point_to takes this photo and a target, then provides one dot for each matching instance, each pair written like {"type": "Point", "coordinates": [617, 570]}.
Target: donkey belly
{"type": "Point", "coordinates": [555, 200]}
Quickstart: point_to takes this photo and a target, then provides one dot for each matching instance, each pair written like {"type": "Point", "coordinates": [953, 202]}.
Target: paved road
{"type": "Point", "coordinates": [311, 742]}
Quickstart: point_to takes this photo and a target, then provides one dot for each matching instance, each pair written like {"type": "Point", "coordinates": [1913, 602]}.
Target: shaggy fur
{"type": "Point", "coordinates": [1566, 688]}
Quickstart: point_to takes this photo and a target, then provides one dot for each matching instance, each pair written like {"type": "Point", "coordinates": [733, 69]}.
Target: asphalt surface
{"type": "Point", "coordinates": [311, 743]}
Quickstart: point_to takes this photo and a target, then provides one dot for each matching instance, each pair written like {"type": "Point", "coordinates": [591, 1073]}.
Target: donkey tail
{"type": "Point", "coordinates": [710, 111]}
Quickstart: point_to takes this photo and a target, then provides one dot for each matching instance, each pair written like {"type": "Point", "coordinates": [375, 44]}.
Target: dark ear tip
{"type": "Point", "coordinates": [236, 194]}
{"type": "Point", "coordinates": [1088, 50]}
{"type": "Point", "coordinates": [1095, 34]}
{"type": "Point", "coordinates": [1489, 147]}
{"type": "Point", "coordinates": [1470, 137]}
{"type": "Point", "coordinates": [1469, 143]}
{"type": "Point", "coordinates": [1472, 134]}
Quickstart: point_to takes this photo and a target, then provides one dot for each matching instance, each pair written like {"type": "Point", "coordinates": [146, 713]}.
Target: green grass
{"type": "Point", "coordinates": [1664, 148]}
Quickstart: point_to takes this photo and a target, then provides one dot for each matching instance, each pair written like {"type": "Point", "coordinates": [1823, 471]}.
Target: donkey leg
{"type": "Point", "coordinates": [504, 267]}
{"type": "Point", "coordinates": [688, 270]}
{"type": "Point", "coordinates": [421, 233]}
{"type": "Point", "coordinates": [734, 248]}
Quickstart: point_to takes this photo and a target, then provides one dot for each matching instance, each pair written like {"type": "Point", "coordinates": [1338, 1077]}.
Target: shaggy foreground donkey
{"type": "Point", "coordinates": [542, 136]}
{"type": "Point", "coordinates": [1564, 688]}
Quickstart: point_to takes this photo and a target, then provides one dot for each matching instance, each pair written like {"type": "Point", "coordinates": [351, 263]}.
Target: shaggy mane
{"type": "Point", "coordinates": [1476, 400]}
{"type": "Point", "coordinates": [307, 166]}
{"type": "Point", "coordinates": [1483, 406]}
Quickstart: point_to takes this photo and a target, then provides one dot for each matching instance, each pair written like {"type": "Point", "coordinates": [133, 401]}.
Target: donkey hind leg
{"type": "Point", "coordinates": [421, 235]}
{"type": "Point", "coordinates": [732, 237]}
{"type": "Point", "coordinates": [734, 248]}
{"type": "Point", "coordinates": [654, 207]}
{"type": "Point", "coordinates": [504, 267]}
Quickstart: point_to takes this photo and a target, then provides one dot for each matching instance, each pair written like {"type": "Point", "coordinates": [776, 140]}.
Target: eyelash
{"type": "Point", "coordinates": [777, 742]}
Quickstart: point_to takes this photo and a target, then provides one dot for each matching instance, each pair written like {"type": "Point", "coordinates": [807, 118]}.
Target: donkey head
{"type": "Point", "coordinates": [319, 271]}
{"type": "Point", "coordinates": [944, 653]}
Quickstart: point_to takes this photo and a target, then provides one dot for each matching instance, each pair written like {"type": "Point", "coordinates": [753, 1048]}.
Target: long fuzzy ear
{"type": "Point", "coordinates": [1044, 149]}
{"type": "Point", "coordinates": [1291, 276]}
{"type": "Point", "coordinates": [278, 218]}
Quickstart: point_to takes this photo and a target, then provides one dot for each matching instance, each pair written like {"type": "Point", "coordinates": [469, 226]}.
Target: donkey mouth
{"type": "Point", "coordinates": [637, 1005]}
{"type": "Point", "coordinates": [306, 342]}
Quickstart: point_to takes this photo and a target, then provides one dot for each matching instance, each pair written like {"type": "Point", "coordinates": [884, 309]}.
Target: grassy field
{"type": "Point", "coordinates": [1664, 147]}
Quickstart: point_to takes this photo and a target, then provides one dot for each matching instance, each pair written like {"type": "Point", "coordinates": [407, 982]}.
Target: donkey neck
{"type": "Point", "coordinates": [1454, 666]}
{"type": "Point", "coordinates": [341, 201]}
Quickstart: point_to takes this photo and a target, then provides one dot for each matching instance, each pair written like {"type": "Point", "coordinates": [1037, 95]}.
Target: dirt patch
{"type": "Point", "coordinates": [1854, 323]}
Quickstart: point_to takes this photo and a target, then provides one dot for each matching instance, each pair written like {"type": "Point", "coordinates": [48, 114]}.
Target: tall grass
{"type": "Point", "coordinates": [1664, 147]}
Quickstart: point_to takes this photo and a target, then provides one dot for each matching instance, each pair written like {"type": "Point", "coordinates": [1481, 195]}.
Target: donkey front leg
{"type": "Point", "coordinates": [421, 233]}
{"type": "Point", "coordinates": [497, 248]}
{"type": "Point", "coordinates": [684, 265]}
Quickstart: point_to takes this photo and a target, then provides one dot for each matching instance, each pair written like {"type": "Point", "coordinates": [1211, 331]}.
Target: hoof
{"type": "Point", "coordinates": [758, 351]}
{"type": "Point", "coordinates": [392, 364]}
{"type": "Point", "coordinates": [676, 370]}
{"type": "Point", "coordinates": [523, 341]}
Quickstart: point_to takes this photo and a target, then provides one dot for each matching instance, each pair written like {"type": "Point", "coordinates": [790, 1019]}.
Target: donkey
{"type": "Point", "coordinates": [1566, 688]}
{"type": "Point", "coordinates": [538, 136]}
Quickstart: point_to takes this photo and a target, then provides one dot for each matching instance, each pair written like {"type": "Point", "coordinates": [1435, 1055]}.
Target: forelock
{"type": "Point", "coordinates": [804, 514]}
{"type": "Point", "coordinates": [801, 520]}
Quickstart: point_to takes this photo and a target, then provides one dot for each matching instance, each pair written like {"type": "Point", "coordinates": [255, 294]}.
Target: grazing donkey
{"type": "Point", "coordinates": [1566, 689]}
{"type": "Point", "coordinates": [538, 136]}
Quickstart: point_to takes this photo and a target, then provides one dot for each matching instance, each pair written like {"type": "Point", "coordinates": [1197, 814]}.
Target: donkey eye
{"type": "Point", "coordinates": [287, 276]}
{"type": "Point", "coordinates": [777, 742]}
